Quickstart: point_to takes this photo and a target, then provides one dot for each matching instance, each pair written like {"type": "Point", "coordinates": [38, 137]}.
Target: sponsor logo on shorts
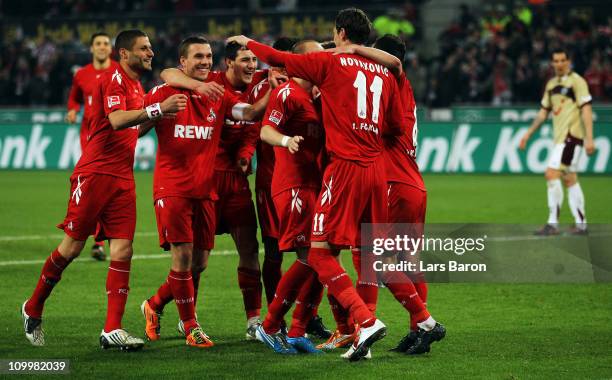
{"type": "Point", "coordinates": [78, 193]}
{"type": "Point", "coordinates": [113, 100]}
{"type": "Point", "coordinates": [327, 194]}
{"type": "Point", "coordinates": [296, 202]}
{"type": "Point", "coordinates": [275, 117]}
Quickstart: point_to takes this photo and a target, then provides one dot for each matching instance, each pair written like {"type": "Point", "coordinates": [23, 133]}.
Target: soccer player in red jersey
{"type": "Point", "coordinates": [102, 190]}
{"type": "Point", "coordinates": [293, 126]}
{"type": "Point", "coordinates": [407, 203]}
{"type": "Point", "coordinates": [266, 213]}
{"type": "Point", "coordinates": [81, 93]}
{"type": "Point", "coordinates": [183, 186]}
{"type": "Point", "coordinates": [235, 209]}
{"type": "Point", "coordinates": [354, 191]}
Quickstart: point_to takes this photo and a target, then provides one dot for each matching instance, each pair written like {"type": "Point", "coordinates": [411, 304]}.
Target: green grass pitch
{"type": "Point", "coordinates": [503, 331]}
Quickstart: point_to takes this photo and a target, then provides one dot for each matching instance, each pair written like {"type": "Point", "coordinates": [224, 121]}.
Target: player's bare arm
{"type": "Point", "coordinates": [145, 127]}
{"type": "Point", "coordinates": [177, 78]}
{"type": "Point", "coordinates": [586, 113]}
{"type": "Point", "coordinates": [71, 116]}
{"type": "Point", "coordinates": [273, 137]}
{"type": "Point", "coordinates": [125, 119]}
{"type": "Point", "coordinates": [535, 125]}
{"type": "Point", "coordinates": [241, 40]}
{"type": "Point", "coordinates": [377, 55]}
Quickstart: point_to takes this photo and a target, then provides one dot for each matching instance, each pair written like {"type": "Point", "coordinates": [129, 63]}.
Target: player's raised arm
{"type": "Point", "coordinates": [311, 67]}
{"type": "Point", "coordinates": [535, 125]}
{"type": "Point", "coordinates": [177, 78]}
{"type": "Point", "coordinates": [377, 55]}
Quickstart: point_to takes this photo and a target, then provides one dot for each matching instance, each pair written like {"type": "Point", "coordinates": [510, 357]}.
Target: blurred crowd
{"type": "Point", "coordinates": [497, 55]}
{"type": "Point", "coordinates": [502, 56]}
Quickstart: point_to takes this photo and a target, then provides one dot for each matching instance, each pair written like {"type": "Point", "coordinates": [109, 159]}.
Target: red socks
{"type": "Point", "coordinates": [250, 285]}
{"type": "Point", "coordinates": [50, 275]}
{"type": "Point", "coordinates": [339, 285]}
{"type": "Point", "coordinates": [161, 298]}
{"type": "Point", "coordinates": [271, 273]}
{"type": "Point", "coordinates": [367, 286]}
{"type": "Point", "coordinates": [341, 316]}
{"type": "Point", "coordinates": [286, 292]}
{"type": "Point", "coordinates": [196, 285]}
{"type": "Point", "coordinates": [405, 293]}
{"type": "Point", "coordinates": [306, 305]}
{"type": "Point", "coordinates": [421, 287]}
{"type": "Point", "coordinates": [181, 284]}
{"type": "Point", "coordinates": [164, 293]}
{"type": "Point", "coordinates": [117, 288]}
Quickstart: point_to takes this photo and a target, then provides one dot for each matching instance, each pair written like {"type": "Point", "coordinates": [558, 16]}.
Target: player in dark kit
{"type": "Point", "coordinates": [102, 190]}
{"type": "Point", "coordinates": [81, 94]}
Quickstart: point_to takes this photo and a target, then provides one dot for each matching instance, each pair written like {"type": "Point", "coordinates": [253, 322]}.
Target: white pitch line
{"type": "Point", "coordinates": [57, 236]}
{"type": "Point", "coordinates": [155, 256]}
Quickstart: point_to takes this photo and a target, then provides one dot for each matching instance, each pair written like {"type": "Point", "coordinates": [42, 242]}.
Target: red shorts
{"type": "Point", "coordinates": [351, 194]}
{"type": "Point", "coordinates": [266, 213]}
{"type": "Point", "coordinates": [185, 220]}
{"type": "Point", "coordinates": [235, 205]}
{"type": "Point", "coordinates": [295, 208]}
{"type": "Point", "coordinates": [100, 199]}
{"type": "Point", "coordinates": [407, 204]}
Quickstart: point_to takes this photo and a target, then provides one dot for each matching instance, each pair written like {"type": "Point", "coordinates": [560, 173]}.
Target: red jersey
{"type": "Point", "coordinates": [291, 111]}
{"type": "Point", "coordinates": [108, 151]}
{"type": "Point", "coordinates": [358, 97]}
{"type": "Point", "coordinates": [238, 138]}
{"type": "Point", "coordinates": [265, 152]}
{"type": "Point", "coordinates": [81, 93]}
{"type": "Point", "coordinates": [400, 151]}
{"type": "Point", "coordinates": [187, 143]}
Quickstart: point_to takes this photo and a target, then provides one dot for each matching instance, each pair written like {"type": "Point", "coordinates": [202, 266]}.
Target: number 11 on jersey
{"type": "Point", "coordinates": [376, 88]}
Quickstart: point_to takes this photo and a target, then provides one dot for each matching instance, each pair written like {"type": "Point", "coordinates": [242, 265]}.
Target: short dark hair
{"type": "Point", "coordinates": [96, 35]}
{"type": "Point", "coordinates": [560, 51]}
{"type": "Point", "coordinates": [232, 49]}
{"type": "Point", "coordinates": [328, 44]}
{"type": "Point", "coordinates": [392, 45]}
{"type": "Point", "coordinates": [183, 48]}
{"type": "Point", "coordinates": [284, 43]}
{"type": "Point", "coordinates": [355, 23]}
{"type": "Point", "coordinates": [127, 38]}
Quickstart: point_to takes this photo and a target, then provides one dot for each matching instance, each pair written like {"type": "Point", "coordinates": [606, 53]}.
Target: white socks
{"type": "Point", "coordinates": [575, 199]}
{"type": "Point", "coordinates": [427, 324]}
{"type": "Point", "coordinates": [555, 201]}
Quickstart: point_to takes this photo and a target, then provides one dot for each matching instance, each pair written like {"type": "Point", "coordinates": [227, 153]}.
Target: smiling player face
{"type": "Point", "coordinates": [244, 66]}
{"type": "Point", "coordinates": [198, 62]}
{"type": "Point", "coordinates": [101, 48]}
{"type": "Point", "coordinates": [140, 57]}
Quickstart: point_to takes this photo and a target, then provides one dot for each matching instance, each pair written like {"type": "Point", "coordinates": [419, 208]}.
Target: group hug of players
{"type": "Point", "coordinates": [335, 149]}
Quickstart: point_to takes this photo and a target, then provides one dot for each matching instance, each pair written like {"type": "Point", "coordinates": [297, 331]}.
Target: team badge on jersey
{"type": "Point", "coordinates": [275, 117]}
{"type": "Point", "coordinates": [211, 116]}
{"type": "Point", "coordinates": [113, 100]}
